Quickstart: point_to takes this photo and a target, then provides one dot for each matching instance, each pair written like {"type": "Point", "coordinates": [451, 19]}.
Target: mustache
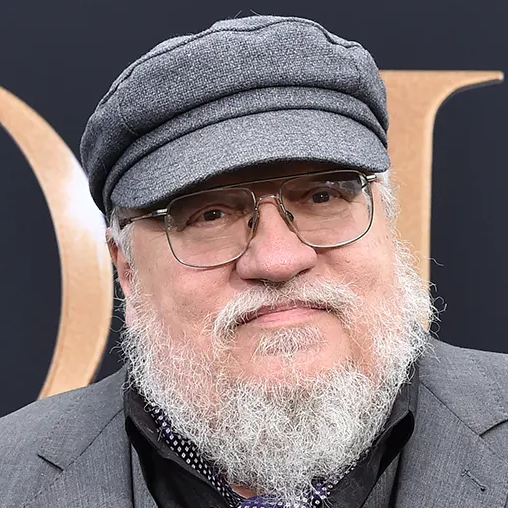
{"type": "Point", "coordinates": [335, 297]}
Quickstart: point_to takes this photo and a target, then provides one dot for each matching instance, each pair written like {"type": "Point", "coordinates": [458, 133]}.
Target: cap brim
{"type": "Point", "coordinates": [275, 136]}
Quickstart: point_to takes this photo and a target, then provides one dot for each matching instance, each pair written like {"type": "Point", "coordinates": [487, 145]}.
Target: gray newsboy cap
{"type": "Point", "coordinates": [246, 91]}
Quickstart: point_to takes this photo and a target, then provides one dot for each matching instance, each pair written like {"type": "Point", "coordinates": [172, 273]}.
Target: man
{"type": "Point", "coordinates": [275, 343]}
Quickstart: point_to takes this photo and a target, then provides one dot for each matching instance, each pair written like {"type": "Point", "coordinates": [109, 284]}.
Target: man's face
{"type": "Point", "coordinates": [302, 388]}
{"type": "Point", "coordinates": [188, 299]}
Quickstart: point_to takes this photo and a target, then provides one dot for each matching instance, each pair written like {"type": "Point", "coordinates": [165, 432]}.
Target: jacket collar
{"type": "Point", "coordinates": [82, 420]}
{"type": "Point", "coordinates": [447, 461]}
{"type": "Point", "coordinates": [472, 385]}
{"type": "Point", "coordinates": [91, 455]}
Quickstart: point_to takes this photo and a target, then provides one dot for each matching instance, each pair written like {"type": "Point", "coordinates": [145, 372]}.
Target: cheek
{"type": "Point", "coordinates": [195, 297]}
{"type": "Point", "coordinates": [366, 264]}
{"type": "Point", "coordinates": [184, 297]}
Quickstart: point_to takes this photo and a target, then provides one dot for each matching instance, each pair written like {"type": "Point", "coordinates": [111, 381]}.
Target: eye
{"type": "Point", "coordinates": [320, 197]}
{"type": "Point", "coordinates": [211, 215]}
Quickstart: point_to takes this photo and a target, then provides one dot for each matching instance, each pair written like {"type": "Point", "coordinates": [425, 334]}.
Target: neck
{"type": "Point", "coordinates": [243, 491]}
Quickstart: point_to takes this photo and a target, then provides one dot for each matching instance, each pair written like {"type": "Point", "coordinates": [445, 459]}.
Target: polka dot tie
{"type": "Point", "coordinates": [188, 452]}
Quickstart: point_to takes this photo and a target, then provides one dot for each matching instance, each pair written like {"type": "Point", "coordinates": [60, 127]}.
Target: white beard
{"type": "Point", "coordinates": [276, 437]}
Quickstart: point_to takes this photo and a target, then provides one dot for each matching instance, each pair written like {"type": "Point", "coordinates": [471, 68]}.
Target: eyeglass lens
{"type": "Point", "coordinates": [213, 227]}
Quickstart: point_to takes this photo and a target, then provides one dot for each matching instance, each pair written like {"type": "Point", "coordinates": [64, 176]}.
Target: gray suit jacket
{"type": "Point", "coordinates": [71, 450]}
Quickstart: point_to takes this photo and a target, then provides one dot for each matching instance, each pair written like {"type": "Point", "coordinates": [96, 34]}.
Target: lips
{"type": "Point", "coordinates": [266, 310]}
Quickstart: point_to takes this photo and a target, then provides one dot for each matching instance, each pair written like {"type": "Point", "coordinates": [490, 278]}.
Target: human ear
{"type": "Point", "coordinates": [122, 264]}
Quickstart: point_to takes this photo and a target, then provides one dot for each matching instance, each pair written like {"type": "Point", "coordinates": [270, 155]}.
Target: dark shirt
{"type": "Point", "coordinates": [175, 481]}
{"type": "Point", "coordinates": [189, 452]}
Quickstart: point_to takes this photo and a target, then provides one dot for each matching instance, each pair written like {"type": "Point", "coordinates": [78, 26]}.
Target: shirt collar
{"type": "Point", "coordinates": [142, 424]}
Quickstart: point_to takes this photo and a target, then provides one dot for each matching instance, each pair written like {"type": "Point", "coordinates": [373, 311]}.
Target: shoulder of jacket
{"type": "Point", "coordinates": [41, 440]}
{"type": "Point", "coordinates": [473, 384]}
{"type": "Point", "coordinates": [29, 425]}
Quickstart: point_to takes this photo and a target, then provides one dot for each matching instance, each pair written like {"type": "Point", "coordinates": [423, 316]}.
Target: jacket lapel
{"type": "Point", "coordinates": [87, 459]}
{"type": "Point", "coordinates": [88, 452]}
{"type": "Point", "coordinates": [447, 461]}
{"type": "Point", "coordinates": [100, 476]}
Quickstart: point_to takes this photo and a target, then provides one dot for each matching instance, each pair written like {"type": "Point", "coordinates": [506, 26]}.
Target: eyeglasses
{"type": "Point", "coordinates": [213, 227]}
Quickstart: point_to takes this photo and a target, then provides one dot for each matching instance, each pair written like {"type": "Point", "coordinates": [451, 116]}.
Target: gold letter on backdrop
{"type": "Point", "coordinates": [87, 282]}
{"type": "Point", "coordinates": [413, 100]}
{"type": "Point", "coordinates": [87, 285]}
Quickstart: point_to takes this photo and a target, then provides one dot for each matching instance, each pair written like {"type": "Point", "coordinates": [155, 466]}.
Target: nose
{"type": "Point", "coordinates": [275, 253]}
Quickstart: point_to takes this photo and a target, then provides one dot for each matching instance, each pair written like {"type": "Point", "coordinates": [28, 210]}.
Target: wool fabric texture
{"type": "Point", "coordinates": [242, 93]}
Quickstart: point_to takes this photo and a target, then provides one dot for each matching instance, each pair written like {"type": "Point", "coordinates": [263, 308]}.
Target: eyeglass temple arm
{"type": "Point", "coordinates": [152, 215]}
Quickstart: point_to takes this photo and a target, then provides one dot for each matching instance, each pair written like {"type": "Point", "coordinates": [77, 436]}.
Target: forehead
{"type": "Point", "coordinates": [262, 171]}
